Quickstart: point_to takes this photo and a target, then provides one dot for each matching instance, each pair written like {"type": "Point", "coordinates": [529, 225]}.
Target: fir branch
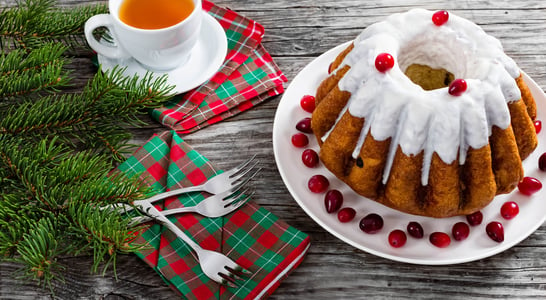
{"type": "Point", "coordinates": [33, 23]}
{"type": "Point", "coordinates": [22, 73]}
{"type": "Point", "coordinates": [95, 116]}
{"type": "Point", "coordinates": [106, 234]}
{"type": "Point", "coordinates": [54, 177]}
{"type": "Point", "coordinates": [38, 250]}
{"type": "Point", "coordinates": [16, 218]}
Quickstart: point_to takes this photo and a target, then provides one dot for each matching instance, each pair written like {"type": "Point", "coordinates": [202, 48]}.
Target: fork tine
{"type": "Point", "coordinates": [233, 275]}
{"type": "Point", "coordinates": [231, 193]}
{"type": "Point", "coordinates": [240, 166]}
{"type": "Point", "coordinates": [239, 271]}
{"type": "Point", "coordinates": [245, 181]}
{"type": "Point", "coordinates": [235, 193]}
{"type": "Point", "coordinates": [243, 172]}
{"type": "Point", "coordinates": [227, 280]}
{"type": "Point", "coordinates": [237, 205]}
{"type": "Point", "coordinates": [243, 198]}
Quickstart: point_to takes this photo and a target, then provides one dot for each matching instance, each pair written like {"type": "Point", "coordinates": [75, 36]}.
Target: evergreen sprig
{"type": "Point", "coordinates": [58, 147]}
{"type": "Point", "coordinates": [33, 23]}
{"type": "Point", "coordinates": [23, 73]}
{"type": "Point", "coordinates": [96, 117]}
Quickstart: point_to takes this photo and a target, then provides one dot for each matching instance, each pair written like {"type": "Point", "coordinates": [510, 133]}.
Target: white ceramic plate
{"type": "Point", "coordinates": [207, 56]}
{"type": "Point", "coordinates": [418, 251]}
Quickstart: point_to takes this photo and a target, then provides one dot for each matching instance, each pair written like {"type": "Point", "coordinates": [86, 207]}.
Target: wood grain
{"type": "Point", "coordinates": [297, 32]}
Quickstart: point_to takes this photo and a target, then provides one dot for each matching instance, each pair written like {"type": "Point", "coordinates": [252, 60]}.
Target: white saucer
{"type": "Point", "coordinates": [206, 58]}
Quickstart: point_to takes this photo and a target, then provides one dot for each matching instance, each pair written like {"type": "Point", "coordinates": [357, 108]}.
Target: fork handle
{"type": "Point", "coordinates": [195, 188]}
{"type": "Point", "coordinates": [179, 233]}
{"type": "Point", "coordinates": [161, 196]}
{"type": "Point", "coordinates": [168, 212]}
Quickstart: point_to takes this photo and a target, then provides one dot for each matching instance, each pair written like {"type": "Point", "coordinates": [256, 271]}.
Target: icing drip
{"type": "Point", "coordinates": [430, 121]}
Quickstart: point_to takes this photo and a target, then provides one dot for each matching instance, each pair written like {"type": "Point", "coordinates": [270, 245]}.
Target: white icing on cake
{"type": "Point", "coordinates": [430, 121]}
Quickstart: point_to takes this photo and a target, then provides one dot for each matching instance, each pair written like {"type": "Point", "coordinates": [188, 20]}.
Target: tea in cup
{"type": "Point", "coordinates": [158, 34]}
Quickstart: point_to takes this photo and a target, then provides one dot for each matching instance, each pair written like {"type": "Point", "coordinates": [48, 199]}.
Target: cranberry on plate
{"type": "Point", "coordinates": [346, 214]}
{"type": "Point", "coordinates": [318, 184]}
{"type": "Point", "coordinates": [304, 125]}
{"type": "Point", "coordinates": [475, 219]}
{"type": "Point", "coordinates": [333, 200]}
{"type": "Point", "coordinates": [300, 140]}
{"type": "Point", "coordinates": [495, 231]}
{"type": "Point", "coordinates": [529, 185]}
{"type": "Point", "coordinates": [509, 210]}
{"type": "Point", "coordinates": [397, 238]}
{"type": "Point", "coordinates": [307, 102]}
{"type": "Point", "coordinates": [310, 158]}
{"type": "Point", "coordinates": [371, 223]}
{"type": "Point", "coordinates": [460, 231]}
{"type": "Point", "coordinates": [415, 230]}
{"type": "Point", "coordinates": [440, 239]}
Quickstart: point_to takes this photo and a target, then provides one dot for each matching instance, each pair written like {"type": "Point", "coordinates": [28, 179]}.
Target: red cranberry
{"type": "Point", "coordinates": [495, 231]}
{"type": "Point", "coordinates": [397, 238]}
{"type": "Point", "coordinates": [439, 18]}
{"type": "Point", "coordinates": [318, 184]}
{"type": "Point", "coordinates": [538, 126]}
{"type": "Point", "coordinates": [384, 62]}
{"type": "Point", "coordinates": [440, 239]}
{"type": "Point", "coordinates": [346, 214]}
{"type": "Point", "coordinates": [307, 102]}
{"type": "Point", "coordinates": [457, 87]}
{"type": "Point", "coordinates": [300, 140]}
{"type": "Point", "coordinates": [542, 162]}
{"type": "Point", "coordinates": [310, 158]}
{"type": "Point", "coordinates": [529, 185]}
{"type": "Point", "coordinates": [475, 219]}
{"type": "Point", "coordinates": [304, 125]}
{"type": "Point", "coordinates": [333, 200]}
{"type": "Point", "coordinates": [460, 231]}
{"type": "Point", "coordinates": [415, 230]}
{"type": "Point", "coordinates": [371, 223]}
{"type": "Point", "coordinates": [509, 210]}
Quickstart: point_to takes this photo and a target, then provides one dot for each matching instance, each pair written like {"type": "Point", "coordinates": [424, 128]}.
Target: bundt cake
{"type": "Point", "coordinates": [425, 113]}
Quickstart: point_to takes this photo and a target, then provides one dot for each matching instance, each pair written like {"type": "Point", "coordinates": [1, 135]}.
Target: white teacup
{"type": "Point", "coordinates": [156, 49]}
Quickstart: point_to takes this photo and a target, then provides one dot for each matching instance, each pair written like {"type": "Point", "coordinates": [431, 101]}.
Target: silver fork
{"type": "Point", "coordinates": [215, 265]}
{"type": "Point", "coordinates": [213, 207]}
{"type": "Point", "coordinates": [227, 180]}
{"type": "Point", "coordinates": [225, 183]}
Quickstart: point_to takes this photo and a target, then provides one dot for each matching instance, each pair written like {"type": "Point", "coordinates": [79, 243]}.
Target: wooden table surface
{"type": "Point", "coordinates": [297, 32]}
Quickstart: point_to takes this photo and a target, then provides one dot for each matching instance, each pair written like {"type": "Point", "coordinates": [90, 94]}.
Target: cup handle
{"type": "Point", "coordinates": [103, 20]}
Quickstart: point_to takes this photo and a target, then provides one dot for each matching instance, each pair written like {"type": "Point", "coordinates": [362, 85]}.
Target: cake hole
{"type": "Point", "coordinates": [429, 78]}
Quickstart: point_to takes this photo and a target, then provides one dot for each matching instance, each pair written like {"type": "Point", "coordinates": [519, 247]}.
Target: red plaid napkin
{"type": "Point", "coordinates": [251, 236]}
{"type": "Point", "coordinates": [248, 76]}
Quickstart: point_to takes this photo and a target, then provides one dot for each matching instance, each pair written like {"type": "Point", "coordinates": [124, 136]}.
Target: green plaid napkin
{"type": "Point", "coordinates": [248, 76]}
{"type": "Point", "coordinates": [251, 236]}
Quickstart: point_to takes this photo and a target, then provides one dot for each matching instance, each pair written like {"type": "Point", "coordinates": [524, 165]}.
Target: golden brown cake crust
{"type": "Point", "coordinates": [524, 129]}
{"type": "Point", "coordinates": [366, 177]}
{"type": "Point", "coordinates": [506, 161]}
{"type": "Point", "coordinates": [527, 97]}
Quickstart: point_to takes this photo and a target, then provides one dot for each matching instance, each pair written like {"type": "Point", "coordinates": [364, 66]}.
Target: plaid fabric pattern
{"type": "Point", "coordinates": [248, 76]}
{"type": "Point", "coordinates": [251, 236]}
